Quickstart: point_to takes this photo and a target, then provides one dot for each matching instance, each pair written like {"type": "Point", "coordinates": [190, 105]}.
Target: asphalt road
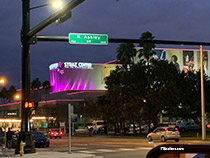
{"type": "Point", "coordinates": [108, 147]}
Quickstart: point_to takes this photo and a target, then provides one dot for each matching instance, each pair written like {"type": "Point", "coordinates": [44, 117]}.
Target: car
{"type": "Point", "coordinates": [56, 134]}
{"type": "Point", "coordinates": [40, 140]}
{"type": "Point", "coordinates": [164, 134]}
{"type": "Point", "coordinates": [187, 126]}
{"type": "Point", "coordinates": [102, 129]}
{"type": "Point", "coordinates": [98, 126]}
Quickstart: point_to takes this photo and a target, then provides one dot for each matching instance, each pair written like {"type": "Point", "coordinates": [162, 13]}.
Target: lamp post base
{"type": "Point", "coordinates": [27, 138]}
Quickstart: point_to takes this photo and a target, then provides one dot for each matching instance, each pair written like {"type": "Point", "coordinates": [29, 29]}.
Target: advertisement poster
{"type": "Point", "coordinates": [205, 62]}
{"type": "Point", "coordinates": [105, 71]}
{"type": "Point", "coordinates": [188, 61]}
{"type": "Point", "coordinates": [174, 57]}
{"type": "Point", "coordinates": [160, 54]}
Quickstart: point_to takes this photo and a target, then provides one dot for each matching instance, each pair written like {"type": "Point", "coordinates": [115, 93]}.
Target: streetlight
{"type": "Point", "coordinates": [2, 81]}
{"type": "Point", "coordinates": [55, 4]}
{"type": "Point", "coordinates": [17, 97]}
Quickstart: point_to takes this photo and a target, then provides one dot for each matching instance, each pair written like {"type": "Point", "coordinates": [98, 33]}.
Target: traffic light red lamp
{"type": "Point", "coordinates": [28, 104]}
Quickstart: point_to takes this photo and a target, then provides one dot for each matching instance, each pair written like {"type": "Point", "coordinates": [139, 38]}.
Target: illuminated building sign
{"type": "Point", "coordinates": [53, 66]}
{"type": "Point", "coordinates": [8, 113]}
{"type": "Point", "coordinates": [78, 65]}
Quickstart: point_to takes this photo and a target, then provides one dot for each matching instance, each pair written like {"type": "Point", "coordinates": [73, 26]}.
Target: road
{"type": "Point", "coordinates": [108, 147]}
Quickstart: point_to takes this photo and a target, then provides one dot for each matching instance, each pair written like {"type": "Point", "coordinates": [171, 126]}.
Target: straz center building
{"type": "Point", "coordinates": [79, 84]}
{"type": "Point", "coordinates": [75, 83]}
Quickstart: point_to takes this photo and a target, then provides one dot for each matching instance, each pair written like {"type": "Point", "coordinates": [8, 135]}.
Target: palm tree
{"type": "Point", "coordinates": [126, 54]}
{"type": "Point", "coordinates": [147, 50]}
{"type": "Point", "coordinates": [36, 84]}
{"type": "Point", "coordinates": [4, 95]}
{"type": "Point", "coordinates": [11, 93]}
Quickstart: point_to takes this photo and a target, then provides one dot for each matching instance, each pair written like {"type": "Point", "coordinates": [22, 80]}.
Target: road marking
{"type": "Point", "coordinates": [79, 148]}
{"type": "Point", "coordinates": [97, 151]}
{"type": "Point", "coordinates": [105, 150]}
{"type": "Point", "coordinates": [126, 149]}
{"type": "Point", "coordinates": [87, 152]}
{"type": "Point", "coordinates": [145, 148]}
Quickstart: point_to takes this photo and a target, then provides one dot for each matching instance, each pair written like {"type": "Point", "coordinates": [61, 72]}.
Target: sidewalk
{"type": "Point", "coordinates": [47, 154]}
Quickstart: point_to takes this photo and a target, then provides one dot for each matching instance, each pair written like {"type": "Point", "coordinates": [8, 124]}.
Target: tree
{"type": "Point", "coordinates": [161, 90]}
{"type": "Point", "coordinates": [4, 94]}
{"type": "Point", "coordinates": [190, 95]}
{"type": "Point", "coordinates": [36, 84]}
{"type": "Point", "coordinates": [11, 93]}
{"type": "Point", "coordinates": [126, 54]}
{"type": "Point", "coordinates": [147, 49]}
{"type": "Point", "coordinates": [46, 85]}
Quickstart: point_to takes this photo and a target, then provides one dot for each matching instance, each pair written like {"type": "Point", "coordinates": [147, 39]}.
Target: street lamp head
{"type": "Point", "coordinates": [2, 81]}
{"type": "Point", "coordinates": [17, 97]}
{"type": "Point", "coordinates": [57, 4]}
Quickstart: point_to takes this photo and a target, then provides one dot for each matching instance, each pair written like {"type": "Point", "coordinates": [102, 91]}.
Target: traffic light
{"type": "Point", "coordinates": [28, 105]}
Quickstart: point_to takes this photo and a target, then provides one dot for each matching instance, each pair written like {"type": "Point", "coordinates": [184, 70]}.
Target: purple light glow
{"type": "Point", "coordinates": [72, 79]}
{"type": "Point", "coordinates": [79, 78]}
{"type": "Point", "coordinates": [89, 91]}
{"type": "Point", "coordinates": [50, 101]}
{"type": "Point", "coordinates": [59, 64]}
{"type": "Point", "coordinates": [15, 103]}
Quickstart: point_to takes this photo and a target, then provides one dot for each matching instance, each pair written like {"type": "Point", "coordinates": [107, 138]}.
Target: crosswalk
{"type": "Point", "coordinates": [97, 151]}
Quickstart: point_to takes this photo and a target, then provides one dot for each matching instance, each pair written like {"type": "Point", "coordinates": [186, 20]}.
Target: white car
{"type": "Point", "coordinates": [97, 126]}
{"type": "Point", "coordinates": [164, 134]}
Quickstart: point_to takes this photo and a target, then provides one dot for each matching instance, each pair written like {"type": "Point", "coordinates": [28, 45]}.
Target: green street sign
{"type": "Point", "coordinates": [86, 38]}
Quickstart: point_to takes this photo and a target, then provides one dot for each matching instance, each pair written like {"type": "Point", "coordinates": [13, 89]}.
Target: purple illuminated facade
{"type": "Point", "coordinates": [78, 76]}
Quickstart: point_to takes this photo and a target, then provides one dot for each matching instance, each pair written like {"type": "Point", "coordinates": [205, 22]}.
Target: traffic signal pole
{"type": "Point", "coordinates": [27, 38]}
{"type": "Point", "coordinates": [25, 134]}
{"type": "Point", "coordinates": [25, 64]}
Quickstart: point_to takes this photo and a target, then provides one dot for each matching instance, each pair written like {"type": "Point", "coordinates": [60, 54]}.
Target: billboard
{"type": "Point", "coordinates": [188, 61]}
{"type": "Point", "coordinates": [160, 54]}
{"type": "Point", "coordinates": [174, 57]}
{"type": "Point", "coordinates": [105, 71]}
{"type": "Point", "coordinates": [205, 62]}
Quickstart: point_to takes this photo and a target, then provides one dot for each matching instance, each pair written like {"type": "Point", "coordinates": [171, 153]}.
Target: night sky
{"type": "Point", "coordinates": [166, 19]}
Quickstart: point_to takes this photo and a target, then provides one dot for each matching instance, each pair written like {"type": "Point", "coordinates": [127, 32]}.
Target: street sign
{"type": "Point", "coordinates": [75, 117]}
{"type": "Point", "coordinates": [44, 124]}
{"type": "Point", "coordinates": [86, 38]}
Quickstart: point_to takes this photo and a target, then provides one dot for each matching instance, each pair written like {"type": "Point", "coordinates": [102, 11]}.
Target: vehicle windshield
{"type": "Point", "coordinates": [38, 135]}
{"type": "Point", "coordinates": [172, 129]}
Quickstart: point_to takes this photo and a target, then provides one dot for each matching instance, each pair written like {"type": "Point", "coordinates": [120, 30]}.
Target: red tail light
{"type": "Point", "coordinates": [176, 129]}
{"type": "Point", "coordinates": [61, 132]}
{"type": "Point", "coordinates": [52, 133]}
{"type": "Point", "coordinates": [166, 129]}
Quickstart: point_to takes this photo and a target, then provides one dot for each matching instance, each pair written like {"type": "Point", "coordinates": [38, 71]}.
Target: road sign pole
{"type": "Point", "coordinates": [69, 114]}
{"type": "Point", "coordinates": [202, 97]}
